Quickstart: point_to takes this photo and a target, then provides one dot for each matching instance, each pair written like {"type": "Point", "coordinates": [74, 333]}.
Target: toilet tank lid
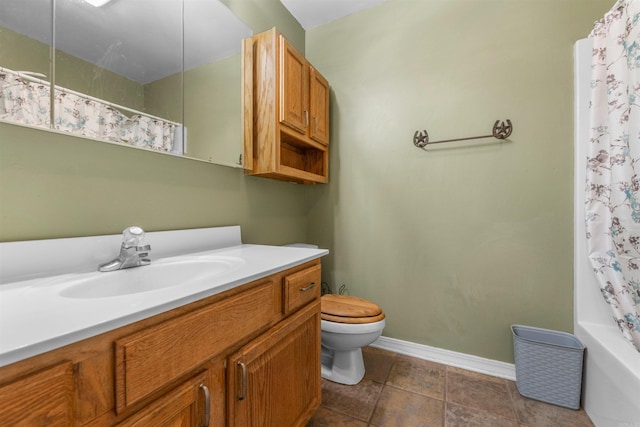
{"type": "Point", "coordinates": [302, 245]}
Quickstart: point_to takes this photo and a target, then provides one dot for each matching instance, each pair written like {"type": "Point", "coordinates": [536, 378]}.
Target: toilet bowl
{"type": "Point", "coordinates": [348, 324]}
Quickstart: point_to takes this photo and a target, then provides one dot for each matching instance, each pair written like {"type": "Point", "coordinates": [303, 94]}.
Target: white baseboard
{"type": "Point", "coordinates": [448, 357]}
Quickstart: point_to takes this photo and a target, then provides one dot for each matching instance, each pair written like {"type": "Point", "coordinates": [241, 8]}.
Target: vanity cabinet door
{"type": "Point", "coordinates": [188, 405]}
{"type": "Point", "coordinates": [44, 398]}
{"type": "Point", "coordinates": [275, 380]}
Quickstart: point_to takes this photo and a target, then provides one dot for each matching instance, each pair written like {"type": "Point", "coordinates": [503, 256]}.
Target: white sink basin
{"type": "Point", "coordinates": [159, 275]}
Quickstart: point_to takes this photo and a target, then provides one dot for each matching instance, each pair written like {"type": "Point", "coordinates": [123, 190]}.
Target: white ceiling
{"type": "Point", "coordinates": [312, 13]}
{"type": "Point", "coordinates": [141, 39]}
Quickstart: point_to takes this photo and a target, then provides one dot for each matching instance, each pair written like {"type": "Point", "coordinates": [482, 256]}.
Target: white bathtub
{"type": "Point", "coordinates": [611, 385]}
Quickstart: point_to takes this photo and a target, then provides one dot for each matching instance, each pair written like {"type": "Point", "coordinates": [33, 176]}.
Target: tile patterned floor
{"type": "Point", "coordinates": [402, 391]}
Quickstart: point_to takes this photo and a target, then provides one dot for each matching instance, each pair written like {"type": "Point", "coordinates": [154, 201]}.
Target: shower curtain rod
{"type": "Point", "coordinates": [29, 76]}
{"type": "Point", "coordinates": [500, 131]}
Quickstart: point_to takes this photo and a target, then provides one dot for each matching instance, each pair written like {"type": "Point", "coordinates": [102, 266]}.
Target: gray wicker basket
{"type": "Point", "coordinates": [548, 365]}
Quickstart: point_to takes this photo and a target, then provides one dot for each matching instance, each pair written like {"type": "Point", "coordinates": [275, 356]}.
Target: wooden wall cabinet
{"type": "Point", "coordinates": [286, 112]}
{"type": "Point", "coordinates": [180, 368]}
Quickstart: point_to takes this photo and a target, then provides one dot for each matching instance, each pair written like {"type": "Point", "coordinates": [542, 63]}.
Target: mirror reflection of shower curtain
{"type": "Point", "coordinates": [23, 102]}
{"type": "Point", "coordinates": [613, 164]}
{"type": "Point", "coordinates": [27, 102]}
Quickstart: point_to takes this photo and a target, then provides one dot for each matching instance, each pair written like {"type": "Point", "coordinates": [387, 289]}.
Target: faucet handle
{"type": "Point", "coordinates": [132, 236]}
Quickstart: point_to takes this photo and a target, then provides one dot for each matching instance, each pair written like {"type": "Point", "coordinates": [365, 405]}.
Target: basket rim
{"type": "Point", "coordinates": [579, 346]}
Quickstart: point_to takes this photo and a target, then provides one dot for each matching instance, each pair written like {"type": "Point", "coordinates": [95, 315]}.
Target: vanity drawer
{"type": "Point", "coordinates": [301, 287]}
{"type": "Point", "coordinates": [150, 359]}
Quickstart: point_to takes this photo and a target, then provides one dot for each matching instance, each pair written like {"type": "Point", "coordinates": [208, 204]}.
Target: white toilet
{"type": "Point", "coordinates": [348, 324]}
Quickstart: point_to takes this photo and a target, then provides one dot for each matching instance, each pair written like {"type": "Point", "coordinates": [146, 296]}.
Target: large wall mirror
{"type": "Point", "coordinates": [161, 75]}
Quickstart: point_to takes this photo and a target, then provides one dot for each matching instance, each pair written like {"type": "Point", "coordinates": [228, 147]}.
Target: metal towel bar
{"type": "Point", "coordinates": [500, 131]}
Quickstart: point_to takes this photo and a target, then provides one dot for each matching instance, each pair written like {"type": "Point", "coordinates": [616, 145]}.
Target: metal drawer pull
{"type": "Point", "coordinates": [243, 390]}
{"type": "Point", "coordinates": [207, 405]}
{"type": "Point", "coordinates": [306, 288]}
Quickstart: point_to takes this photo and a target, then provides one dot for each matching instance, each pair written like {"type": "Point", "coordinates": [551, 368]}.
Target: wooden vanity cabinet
{"type": "Point", "coordinates": [286, 112]}
{"type": "Point", "coordinates": [149, 359]}
{"type": "Point", "coordinates": [186, 405]}
{"type": "Point", "coordinates": [270, 368]}
{"type": "Point", "coordinates": [179, 368]}
{"type": "Point", "coordinates": [43, 398]}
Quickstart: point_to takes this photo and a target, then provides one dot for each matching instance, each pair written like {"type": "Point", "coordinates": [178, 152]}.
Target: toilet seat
{"type": "Point", "coordinates": [348, 309]}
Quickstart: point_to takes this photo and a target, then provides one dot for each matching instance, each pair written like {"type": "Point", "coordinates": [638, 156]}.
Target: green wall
{"type": "Point", "coordinates": [210, 108]}
{"type": "Point", "coordinates": [212, 125]}
{"type": "Point", "coordinates": [20, 53]}
{"type": "Point", "coordinates": [56, 185]}
{"type": "Point", "coordinates": [460, 241]}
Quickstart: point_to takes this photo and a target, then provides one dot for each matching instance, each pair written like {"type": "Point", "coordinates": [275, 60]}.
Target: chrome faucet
{"type": "Point", "coordinates": [133, 253]}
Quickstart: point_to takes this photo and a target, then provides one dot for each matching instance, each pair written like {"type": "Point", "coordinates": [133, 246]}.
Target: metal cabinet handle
{"type": "Point", "coordinates": [306, 288]}
{"type": "Point", "coordinates": [207, 405]}
{"type": "Point", "coordinates": [306, 118]}
{"type": "Point", "coordinates": [243, 388]}
{"type": "Point", "coordinates": [315, 121]}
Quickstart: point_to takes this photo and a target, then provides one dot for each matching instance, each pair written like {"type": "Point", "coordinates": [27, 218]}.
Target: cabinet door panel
{"type": "Point", "coordinates": [181, 407]}
{"type": "Point", "coordinates": [294, 88]}
{"type": "Point", "coordinates": [41, 399]}
{"type": "Point", "coordinates": [319, 107]}
{"type": "Point", "coordinates": [275, 380]}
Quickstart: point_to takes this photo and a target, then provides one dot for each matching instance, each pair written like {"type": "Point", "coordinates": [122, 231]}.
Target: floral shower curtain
{"type": "Point", "coordinates": [613, 170]}
{"type": "Point", "coordinates": [22, 102]}
{"type": "Point", "coordinates": [27, 103]}
{"type": "Point", "coordinates": [87, 117]}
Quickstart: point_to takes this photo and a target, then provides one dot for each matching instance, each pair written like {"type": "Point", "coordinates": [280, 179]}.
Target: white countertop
{"type": "Point", "coordinates": [35, 317]}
